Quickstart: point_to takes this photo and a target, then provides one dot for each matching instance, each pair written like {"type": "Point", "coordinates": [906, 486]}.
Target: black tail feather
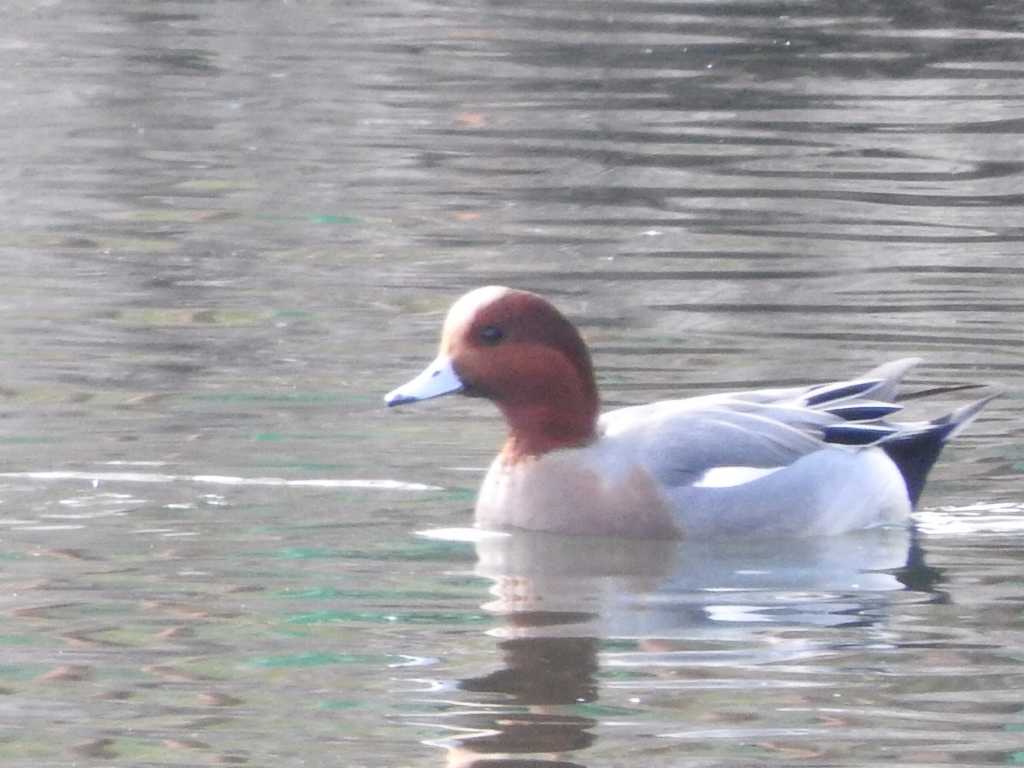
{"type": "Point", "coordinates": [915, 451]}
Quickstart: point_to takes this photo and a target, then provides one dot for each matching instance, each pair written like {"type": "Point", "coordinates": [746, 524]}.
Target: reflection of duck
{"type": "Point", "coordinates": [802, 461]}
{"type": "Point", "coordinates": [579, 612]}
{"type": "Point", "coordinates": [542, 679]}
{"type": "Point", "coordinates": [638, 588]}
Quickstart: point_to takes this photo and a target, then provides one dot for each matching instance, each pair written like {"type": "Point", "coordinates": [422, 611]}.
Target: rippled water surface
{"type": "Point", "coordinates": [228, 227]}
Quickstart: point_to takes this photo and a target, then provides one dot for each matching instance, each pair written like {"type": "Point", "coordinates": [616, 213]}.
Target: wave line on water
{"type": "Point", "coordinates": [158, 477]}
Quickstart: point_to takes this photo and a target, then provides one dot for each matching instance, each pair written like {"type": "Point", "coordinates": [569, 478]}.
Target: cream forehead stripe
{"type": "Point", "coordinates": [463, 310]}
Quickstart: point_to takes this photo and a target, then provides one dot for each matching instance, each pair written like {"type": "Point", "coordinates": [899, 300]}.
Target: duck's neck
{"type": "Point", "coordinates": [536, 429]}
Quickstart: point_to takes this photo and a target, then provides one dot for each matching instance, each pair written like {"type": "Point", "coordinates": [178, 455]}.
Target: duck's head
{"type": "Point", "coordinates": [516, 349]}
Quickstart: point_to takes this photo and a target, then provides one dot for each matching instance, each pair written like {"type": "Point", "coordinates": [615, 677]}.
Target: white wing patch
{"type": "Point", "coordinates": [727, 477]}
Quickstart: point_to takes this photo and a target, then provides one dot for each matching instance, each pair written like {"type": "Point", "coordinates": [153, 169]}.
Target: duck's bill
{"type": "Point", "coordinates": [439, 378]}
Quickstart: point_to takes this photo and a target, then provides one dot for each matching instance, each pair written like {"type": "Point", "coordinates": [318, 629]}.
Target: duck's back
{"type": "Point", "coordinates": [729, 466]}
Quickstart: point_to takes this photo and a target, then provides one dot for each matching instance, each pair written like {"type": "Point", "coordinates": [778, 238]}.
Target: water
{"type": "Point", "coordinates": [230, 227]}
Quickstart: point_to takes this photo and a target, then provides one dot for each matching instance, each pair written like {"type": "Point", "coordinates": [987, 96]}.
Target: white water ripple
{"type": "Point", "coordinates": [158, 477]}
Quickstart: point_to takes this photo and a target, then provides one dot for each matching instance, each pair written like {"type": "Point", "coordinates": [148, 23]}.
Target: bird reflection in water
{"type": "Point", "coordinates": [578, 612]}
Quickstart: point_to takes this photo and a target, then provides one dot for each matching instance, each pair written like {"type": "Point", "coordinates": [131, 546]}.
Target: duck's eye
{"type": "Point", "coordinates": [491, 335]}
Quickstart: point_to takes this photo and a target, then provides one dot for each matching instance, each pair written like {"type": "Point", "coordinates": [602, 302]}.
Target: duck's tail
{"type": "Point", "coordinates": [914, 450]}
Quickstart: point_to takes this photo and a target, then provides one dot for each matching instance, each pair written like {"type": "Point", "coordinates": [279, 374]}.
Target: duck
{"type": "Point", "coordinates": [815, 460]}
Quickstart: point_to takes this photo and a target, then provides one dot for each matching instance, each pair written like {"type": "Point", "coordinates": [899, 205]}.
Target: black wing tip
{"type": "Point", "coordinates": [858, 434]}
{"type": "Point", "coordinates": [863, 411]}
{"type": "Point", "coordinates": [844, 390]}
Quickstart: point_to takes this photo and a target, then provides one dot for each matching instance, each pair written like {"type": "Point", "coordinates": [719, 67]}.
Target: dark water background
{"type": "Point", "coordinates": [228, 227]}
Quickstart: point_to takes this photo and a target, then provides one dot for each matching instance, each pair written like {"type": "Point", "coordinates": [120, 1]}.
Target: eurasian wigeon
{"type": "Point", "coordinates": [813, 460]}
